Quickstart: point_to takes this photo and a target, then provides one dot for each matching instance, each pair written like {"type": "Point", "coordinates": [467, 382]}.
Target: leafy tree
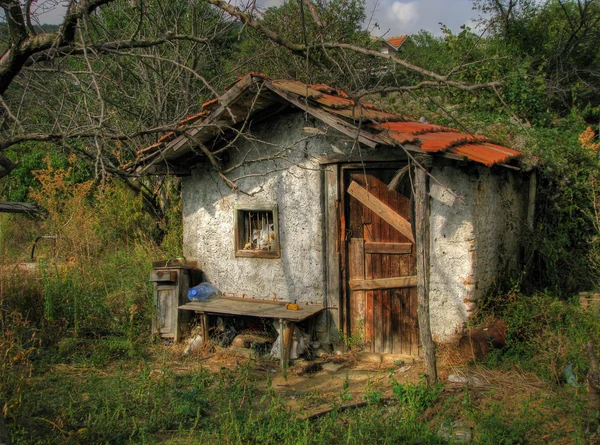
{"type": "Point", "coordinates": [558, 40]}
{"type": "Point", "coordinates": [302, 22]}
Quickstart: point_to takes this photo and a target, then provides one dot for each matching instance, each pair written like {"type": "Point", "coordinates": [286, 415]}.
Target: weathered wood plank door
{"type": "Point", "coordinates": [380, 262]}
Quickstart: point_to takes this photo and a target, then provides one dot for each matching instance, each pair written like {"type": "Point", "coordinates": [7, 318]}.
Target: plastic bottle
{"type": "Point", "coordinates": [201, 292]}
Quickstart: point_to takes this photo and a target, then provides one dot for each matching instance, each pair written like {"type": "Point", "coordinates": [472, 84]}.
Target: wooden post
{"type": "Point", "coordinates": [422, 244]}
{"type": "Point", "coordinates": [332, 248]}
{"type": "Point", "coordinates": [205, 333]}
{"type": "Point", "coordinates": [287, 330]}
{"type": "Point", "coordinates": [356, 271]}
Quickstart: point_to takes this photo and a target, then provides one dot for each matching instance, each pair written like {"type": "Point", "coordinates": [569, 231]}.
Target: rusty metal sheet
{"type": "Point", "coordinates": [193, 117]}
{"type": "Point", "coordinates": [502, 149]}
{"type": "Point", "coordinates": [360, 113]}
{"type": "Point", "coordinates": [337, 102]}
{"type": "Point", "coordinates": [299, 88]}
{"type": "Point", "coordinates": [208, 106]}
{"type": "Point", "coordinates": [413, 127]}
{"type": "Point", "coordinates": [328, 90]}
{"type": "Point", "coordinates": [403, 138]}
{"type": "Point", "coordinates": [330, 97]}
{"type": "Point", "coordinates": [441, 141]}
{"type": "Point", "coordinates": [485, 153]}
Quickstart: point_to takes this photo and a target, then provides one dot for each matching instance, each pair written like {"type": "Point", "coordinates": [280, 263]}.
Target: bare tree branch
{"type": "Point", "coordinates": [22, 45]}
{"type": "Point", "coordinates": [303, 49]}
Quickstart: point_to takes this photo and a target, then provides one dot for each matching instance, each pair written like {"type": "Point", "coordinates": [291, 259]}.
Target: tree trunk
{"type": "Point", "coordinates": [421, 196]}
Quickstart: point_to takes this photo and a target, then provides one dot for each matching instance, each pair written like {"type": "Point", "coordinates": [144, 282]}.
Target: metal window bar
{"type": "Point", "coordinates": [259, 231]}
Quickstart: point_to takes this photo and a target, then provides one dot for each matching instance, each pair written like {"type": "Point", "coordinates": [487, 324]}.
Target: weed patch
{"type": "Point", "coordinates": [544, 335]}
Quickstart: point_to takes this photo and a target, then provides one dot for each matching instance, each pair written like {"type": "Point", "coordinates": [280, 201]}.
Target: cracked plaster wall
{"type": "Point", "coordinates": [474, 243]}
{"type": "Point", "coordinates": [294, 185]}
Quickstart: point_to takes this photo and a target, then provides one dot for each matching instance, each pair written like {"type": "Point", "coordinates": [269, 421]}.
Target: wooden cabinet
{"type": "Point", "coordinates": [170, 291]}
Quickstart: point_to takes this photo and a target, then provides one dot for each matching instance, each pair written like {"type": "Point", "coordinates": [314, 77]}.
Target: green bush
{"type": "Point", "coordinates": [545, 334]}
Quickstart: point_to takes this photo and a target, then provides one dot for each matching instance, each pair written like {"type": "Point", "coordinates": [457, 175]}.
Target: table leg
{"type": "Point", "coordinates": [287, 331]}
{"type": "Point", "coordinates": [204, 328]}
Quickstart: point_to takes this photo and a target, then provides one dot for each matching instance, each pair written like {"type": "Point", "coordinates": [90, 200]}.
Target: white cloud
{"type": "Point", "coordinates": [395, 17]}
{"type": "Point", "coordinates": [405, 13]}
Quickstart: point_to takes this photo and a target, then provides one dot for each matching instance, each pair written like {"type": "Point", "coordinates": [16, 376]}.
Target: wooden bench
{"type": "Point", "coordinates": [248, 307]}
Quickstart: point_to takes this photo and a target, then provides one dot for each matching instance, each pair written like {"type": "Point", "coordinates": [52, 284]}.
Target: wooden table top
{"type": "Point", "coordinates": [252, 308]}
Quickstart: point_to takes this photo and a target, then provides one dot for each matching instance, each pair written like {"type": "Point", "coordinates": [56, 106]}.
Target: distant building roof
{"type": "Point", "coordinates": [396, 42]}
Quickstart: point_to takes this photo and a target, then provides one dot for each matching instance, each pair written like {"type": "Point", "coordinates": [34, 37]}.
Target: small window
{"type": "Point", "coordinates": [257, 232]}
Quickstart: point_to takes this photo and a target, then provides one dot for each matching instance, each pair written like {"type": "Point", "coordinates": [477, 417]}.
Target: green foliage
{"type": "Point", "coordinates": [416, 397]}
{"type": "Point", "coordinates": [339, 21]}
{"type": "Point", "coordinates": [144, 405]}
{"type": "Point", "coordinates": [545, 334]}
{"type": "Point", "coordinates": [34, 157]}
{"type": "Point", "coordinates": [96, 352]}
{"type": "Point", "coordinates": [124, 408]}
{"type": "Point", "coordinates": [559, 40]}
{"type": "Point", "coordinates": [159, 90]}
{"type": "Point", "coordinates": [562, 243]}
{"type": "Point", "coordinates": [372, 396]}
{"type": "Point", "coordinates": [495, 427]}
{"type": "Point", "coordinates": [94, 275]}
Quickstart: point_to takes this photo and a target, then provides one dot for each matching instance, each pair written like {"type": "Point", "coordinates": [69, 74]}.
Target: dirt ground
{"type": "Point", "coordinates": [312, 386]}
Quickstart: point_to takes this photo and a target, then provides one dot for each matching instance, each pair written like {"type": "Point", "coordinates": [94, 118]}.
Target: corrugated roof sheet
{"type": "Point", "coordinates": [486, 153]}
{"type": "Point", "coordinates": [377, 126]}
{"type": "Point", "coordinates": [413, 127]}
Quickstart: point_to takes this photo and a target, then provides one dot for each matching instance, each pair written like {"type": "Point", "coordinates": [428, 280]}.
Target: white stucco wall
{"type": "Point", "coordinates": [474, 243]}
{"type": "Point", "coordinates": [294, 184]}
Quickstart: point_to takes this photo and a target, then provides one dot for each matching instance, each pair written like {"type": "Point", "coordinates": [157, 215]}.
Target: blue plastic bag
{"type": "Point", "coordinates": [201, 292]}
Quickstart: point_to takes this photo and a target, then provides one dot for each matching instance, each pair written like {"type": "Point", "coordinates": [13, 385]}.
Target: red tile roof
{"type": "Point", "coordinates": [397, 41]}
{"type": "Point", "coordinates": [375, 126]}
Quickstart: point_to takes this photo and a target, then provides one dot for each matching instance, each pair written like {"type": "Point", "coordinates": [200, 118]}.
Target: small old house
{"type": "Point", "coordinates": [392, 45]}
{"type": "Point", "coordinates": [296, 192]}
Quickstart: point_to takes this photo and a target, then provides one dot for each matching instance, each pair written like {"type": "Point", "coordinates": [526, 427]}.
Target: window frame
{"type": "Point", "coordinates": [238, 231]}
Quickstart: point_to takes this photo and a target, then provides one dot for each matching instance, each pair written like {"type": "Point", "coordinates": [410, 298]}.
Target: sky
{"type": "Point", "coordinates": [393, 17]}
{"type": "Point", "coordinates": [397, 17]}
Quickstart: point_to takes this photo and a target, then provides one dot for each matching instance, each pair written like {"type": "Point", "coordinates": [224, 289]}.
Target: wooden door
{"type": "Point", "coordinates": [380, 262]}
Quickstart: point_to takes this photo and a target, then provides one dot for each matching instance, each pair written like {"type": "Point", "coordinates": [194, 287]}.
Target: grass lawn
{"type": "Point", "coordinates": [101, 394]}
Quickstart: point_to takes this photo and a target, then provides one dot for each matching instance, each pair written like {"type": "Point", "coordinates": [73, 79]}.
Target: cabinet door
{"type": "Point", "coordinates": [166, 309]}
{"type": "Point", "coordinates": [181, 318]}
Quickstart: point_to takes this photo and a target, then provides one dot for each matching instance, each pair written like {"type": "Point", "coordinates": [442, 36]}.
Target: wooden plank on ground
{"type": "Point", "coordinates": [389, 248]}
{"type": "Point", "coordinates": [383, 211]}
{"type": "Point", "coordinates": [17, 207]}
{"type": "Point", "coordinates": [383, 283]}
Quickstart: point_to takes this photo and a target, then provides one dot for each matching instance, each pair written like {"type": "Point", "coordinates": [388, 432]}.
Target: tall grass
{"type": "Point", "coordinates": [88, 282]}
{"type": "Point", "coordinates": [157, 406]}
{"type": "Point", "coordinates": [545, 334]}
